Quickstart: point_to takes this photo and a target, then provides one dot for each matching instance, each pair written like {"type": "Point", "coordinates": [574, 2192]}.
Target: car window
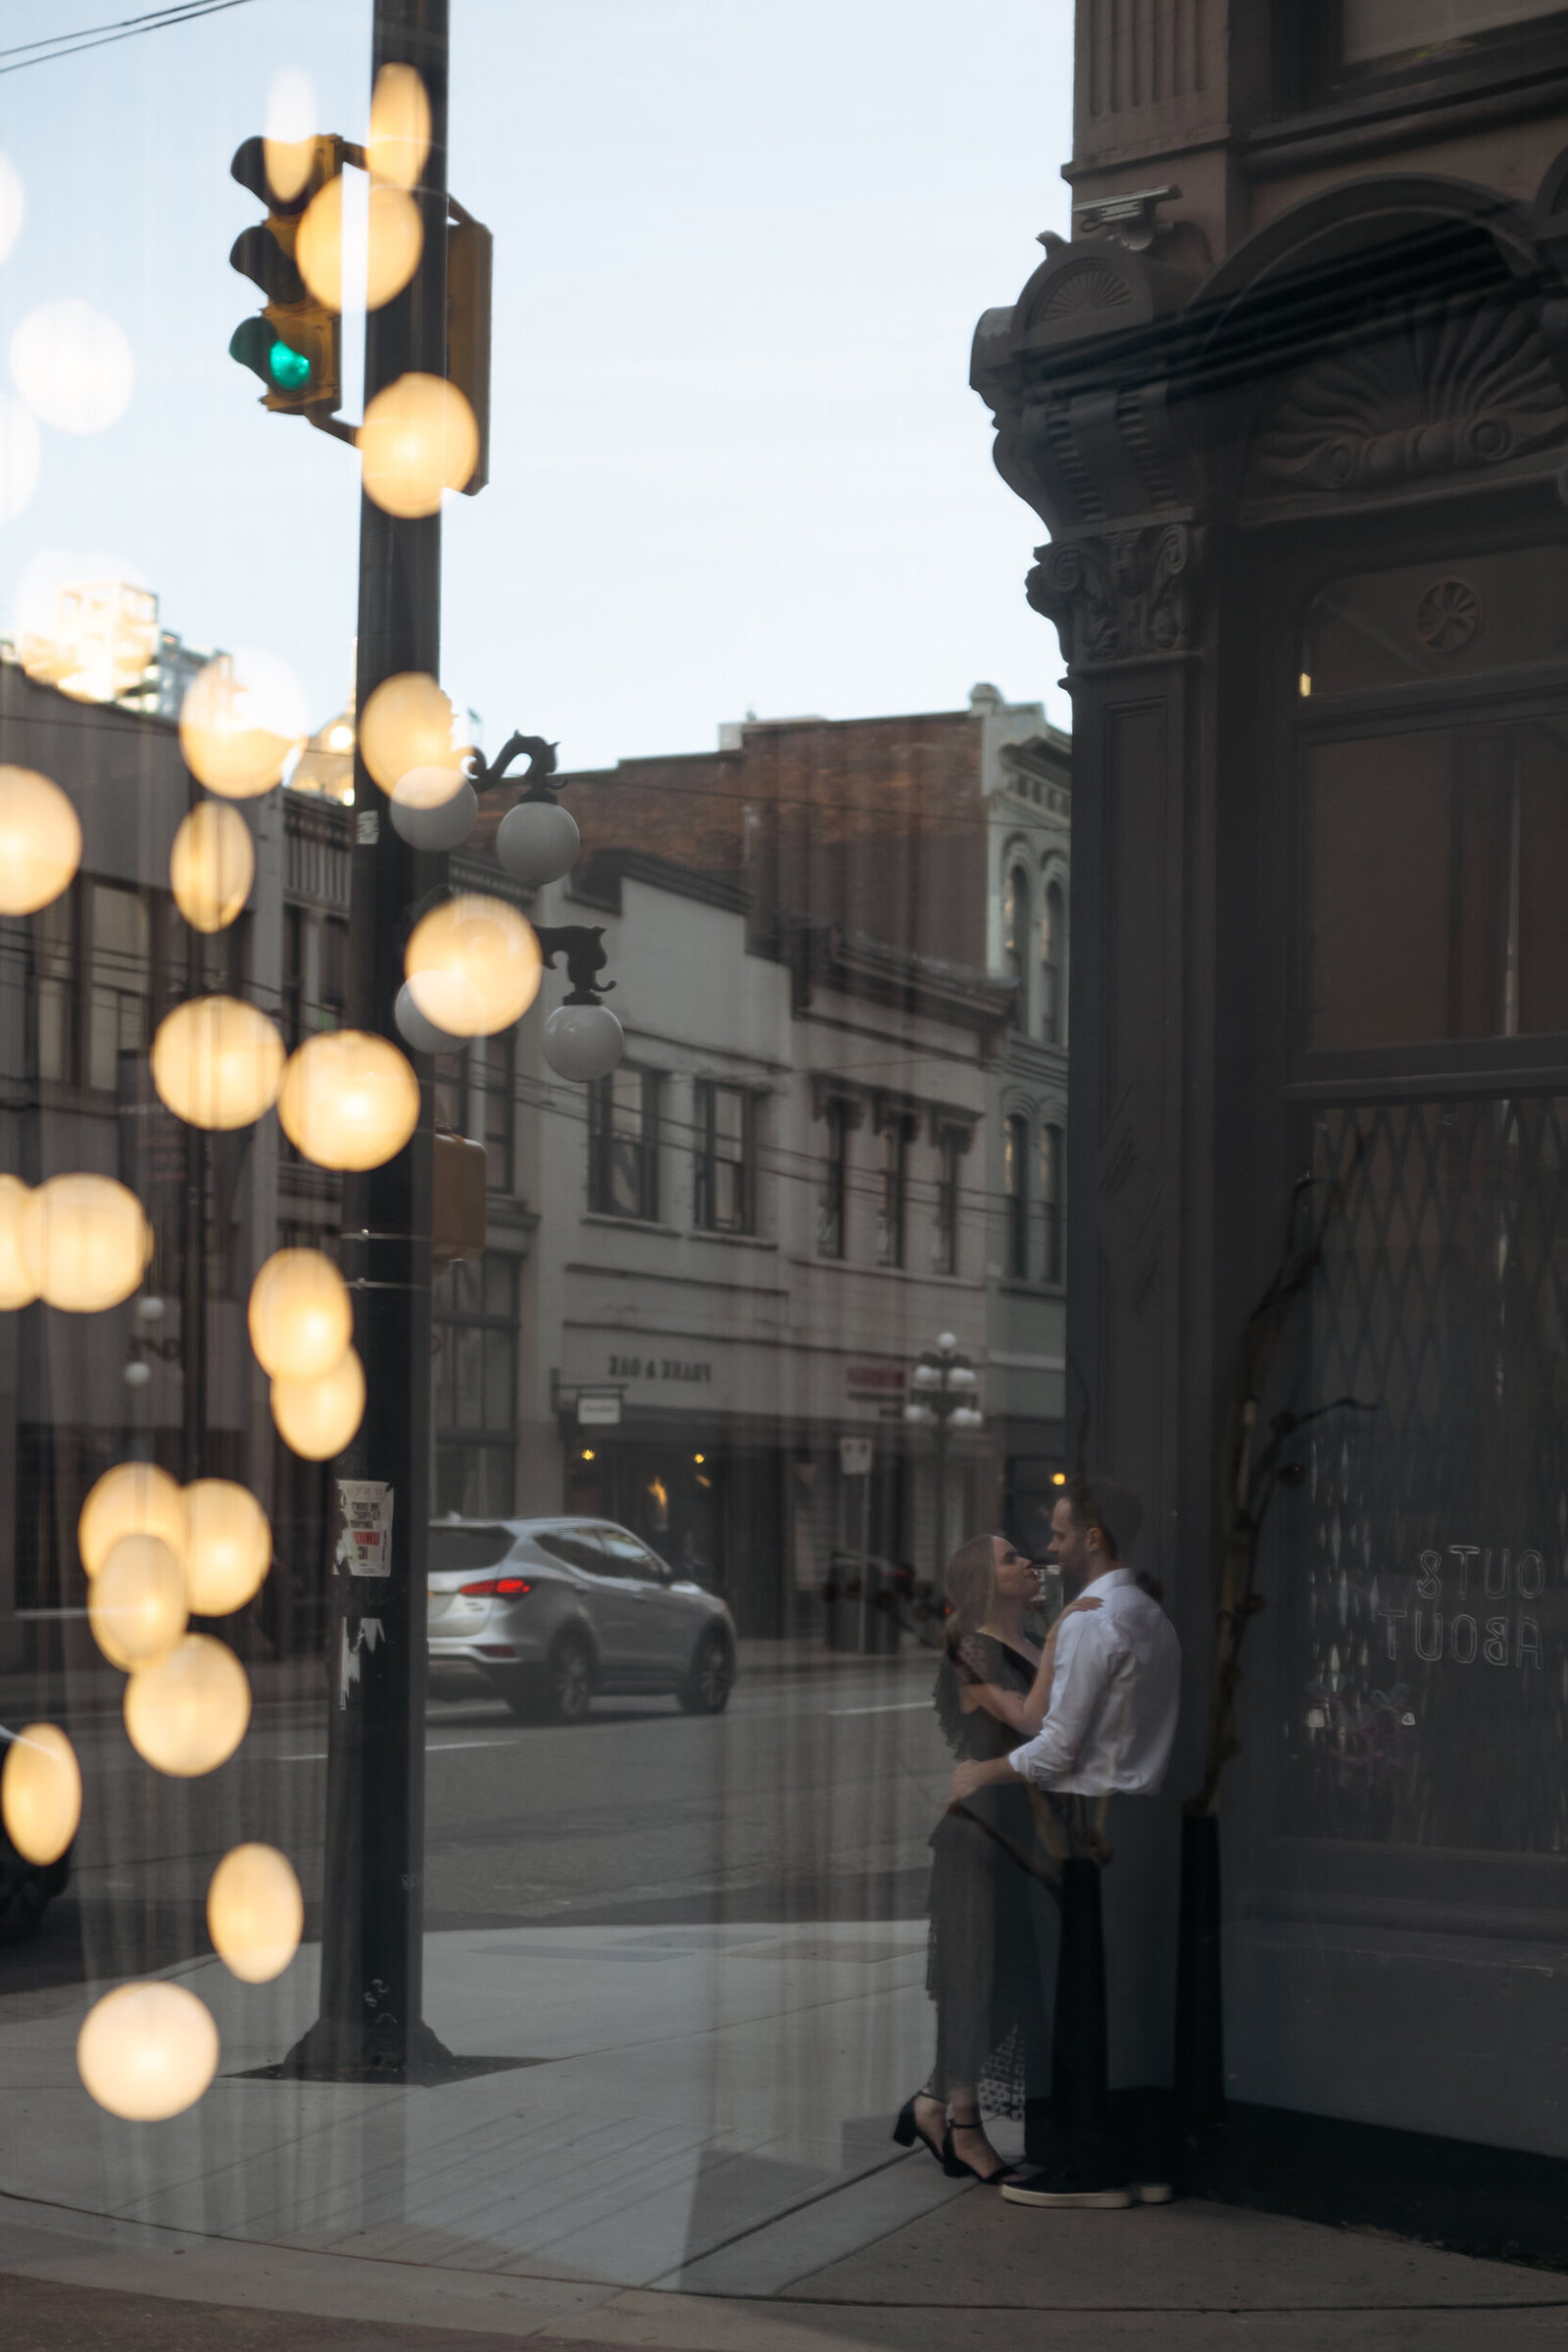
{"type": "Point", "coordinates": [467, 1546]}
{"type": "Point", "coordinates": [577, 1546]}
{"type": "Point", "coordinates": [630, 1558]}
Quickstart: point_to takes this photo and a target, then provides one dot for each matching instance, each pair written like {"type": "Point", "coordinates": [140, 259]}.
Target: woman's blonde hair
{"type": "Point", "coordinates": [971, 1583]}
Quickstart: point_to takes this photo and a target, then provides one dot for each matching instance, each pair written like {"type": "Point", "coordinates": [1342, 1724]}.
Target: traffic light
{"type": "Point", "coordinates": [293, 346]}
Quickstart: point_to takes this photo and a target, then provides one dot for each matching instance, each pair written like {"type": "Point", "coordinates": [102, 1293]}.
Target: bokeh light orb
{"type": "Point", "coordinates": [93, 1243]}
{"type": "Point", "coordinates": [20, 456]}
{"type": "Point", "coordinates": [243, 717]}
{"type": "Point", "coordinates": [212, 865]}
{"type": "Point", "coordinates": [73, 367]}
{"type": "Point", "coordinates": [400, 128]}
{"type": "Point", "coordinates": [41, 1792]}
{"type": "Point", "coordinates": [301, 1317]}
{"type": "Point", "coordinates": [409, 727]}
{"type": "Point", "coordinates": [230, 1546]}
{"type": "Point", "coordinates": [147, 2051]}
{"type": "Point", "coordinates": [416, 1031]}
{"type": "Point", "coordinates": [216, 1063]}
{"type": "Point", "coordinates": [19, 1244]}
{"type": "Point", "coordinates": [418, 438]}
{"type": "Point", "coordinates": [14, 201]}
{"type": "Point", "coordinates": [255, 1912]}
{"type": "Point", "coordinates": [394, 239]}
{"type": "Point", "coordinates": [289, 140]}
{"type": "Point", "coordinates": [40, 841]}
{"type": "Point", "coordinates": [317, 1418]}
{"type": "Point", "coordinates": [136, 1602]}
{"type": "Point", "coordinates": [135, 1499]}
{"type": "Point", "coordinates": [348, 1099]}
{"type": "Point", "coordinates": [187, 1714]}
{"type": "Point", "coordinates": [472, 964]}
{"type": "Point", "coordinates": [446, 826]}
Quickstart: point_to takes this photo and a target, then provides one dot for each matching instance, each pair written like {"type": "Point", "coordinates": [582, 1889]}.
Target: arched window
{"type": "Point", "coordinates": [1053, 941]}
{"type": "Point", "coordinates": [1051, 1201]}
{"type": "Point", "coordinates": [1014, 935]}
{"type": "Point", "coordinates": [1016, 1179]}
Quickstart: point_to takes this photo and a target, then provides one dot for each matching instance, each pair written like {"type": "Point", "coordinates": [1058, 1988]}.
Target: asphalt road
{"type": "Point", "coordinates": [812, 1797]}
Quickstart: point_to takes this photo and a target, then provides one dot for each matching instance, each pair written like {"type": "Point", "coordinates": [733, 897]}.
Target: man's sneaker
{"type": "Point", "coordinates": [1151, 2193]}
{"type": "Point", "coordinates": [1064, 2184]}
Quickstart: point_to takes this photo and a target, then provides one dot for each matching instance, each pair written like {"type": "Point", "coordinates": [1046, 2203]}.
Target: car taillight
{"type": "Point", "coordinates": [497, 1588]}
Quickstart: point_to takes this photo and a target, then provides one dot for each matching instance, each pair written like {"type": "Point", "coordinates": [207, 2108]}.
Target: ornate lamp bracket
{"type": "Point", "coordinates": [583, 946]}
{"type": "Point", "coordinates": [486, 776]}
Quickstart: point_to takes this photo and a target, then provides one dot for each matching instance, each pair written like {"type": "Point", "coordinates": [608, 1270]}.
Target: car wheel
{"type": "Point", "coordinates": [707, 1688]}
{"type": "Point", "coordinates": [569, 1679]}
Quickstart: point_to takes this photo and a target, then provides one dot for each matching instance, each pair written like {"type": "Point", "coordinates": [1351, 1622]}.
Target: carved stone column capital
{"type": "Point", "coordinates": [1126, 595]}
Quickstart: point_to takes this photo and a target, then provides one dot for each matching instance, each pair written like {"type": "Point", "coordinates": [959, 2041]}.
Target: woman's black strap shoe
{"type": "Point", "coordinates": [906, 2131]}
{"type": "Point", "coordinates": [953, 2163]}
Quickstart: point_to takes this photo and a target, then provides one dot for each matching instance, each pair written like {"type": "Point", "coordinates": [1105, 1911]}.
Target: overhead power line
{"type": "Point", "coordinates": [22, 54]}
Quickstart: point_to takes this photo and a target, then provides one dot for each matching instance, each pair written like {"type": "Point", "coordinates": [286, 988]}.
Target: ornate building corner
{"type": "Point", "coordinates": [1128, 596]}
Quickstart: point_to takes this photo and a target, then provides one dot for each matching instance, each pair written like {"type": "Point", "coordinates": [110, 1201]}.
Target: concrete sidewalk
{"type": "Point", "coordinates": [689, 2149]}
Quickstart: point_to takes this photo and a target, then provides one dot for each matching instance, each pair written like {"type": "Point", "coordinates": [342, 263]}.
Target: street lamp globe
{"type": "Point", "coordinates": [583, 1041]}
{"type": "Point", "coordinates": [537, 841]}
{"type": "Point", "coordinates": [968, 1417]}
{"type": "Point", "coordinates": [917, 1412]}
{"type": "Point", "coordinates": [925, 1376]}
{"type": "Point", "coordinates": [948, 1343]}
{"type": "Point", "coordinates": [962, 1376]}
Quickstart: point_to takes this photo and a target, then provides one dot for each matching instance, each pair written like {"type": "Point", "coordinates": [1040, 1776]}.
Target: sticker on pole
{"type": "Point", "coordinates": [364, 1538]}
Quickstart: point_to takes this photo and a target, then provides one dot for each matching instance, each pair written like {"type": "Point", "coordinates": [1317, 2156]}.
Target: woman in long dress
{"type": "Point", "coordinates": [989, 1873]}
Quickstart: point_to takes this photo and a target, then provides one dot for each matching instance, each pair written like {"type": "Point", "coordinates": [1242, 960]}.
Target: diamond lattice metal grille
{"type": "Point", "coordinates": [1434, 1527]}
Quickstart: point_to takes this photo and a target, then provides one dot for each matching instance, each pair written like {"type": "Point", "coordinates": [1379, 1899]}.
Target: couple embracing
{"type": "Point", "coordinates": [1045, 1736]}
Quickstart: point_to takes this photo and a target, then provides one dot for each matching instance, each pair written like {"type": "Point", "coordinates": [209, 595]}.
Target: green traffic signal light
{"type": "Point", "coordinates": [290, 369]}
{"type": "Point", "coordinates": [257, 345]}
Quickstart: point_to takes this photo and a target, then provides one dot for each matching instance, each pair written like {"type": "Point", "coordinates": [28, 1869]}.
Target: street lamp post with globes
{"type": "Point", "coordinates": [946, 1385]}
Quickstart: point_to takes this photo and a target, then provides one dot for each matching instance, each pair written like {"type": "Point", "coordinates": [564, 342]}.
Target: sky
{"type": "Point", "coordinates": [741, 246]}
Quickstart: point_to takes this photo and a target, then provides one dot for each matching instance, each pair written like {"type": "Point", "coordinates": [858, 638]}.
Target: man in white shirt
{"type": "Point", "coordinates": [1108, 1728]}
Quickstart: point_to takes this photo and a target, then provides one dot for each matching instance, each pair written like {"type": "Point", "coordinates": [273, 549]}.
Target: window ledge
{"type": "Point", "coordinates": [1013, 1286]}
{"type": "Point", "coordinates": [599, 1216]}
{"type": "Point", "coordinates": [730, 1241]}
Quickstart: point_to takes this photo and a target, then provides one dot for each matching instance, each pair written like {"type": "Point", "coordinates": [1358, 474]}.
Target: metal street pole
{"type": "Point", "coordinates": [371, 2024]}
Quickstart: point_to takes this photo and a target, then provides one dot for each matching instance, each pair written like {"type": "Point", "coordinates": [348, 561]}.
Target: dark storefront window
{"type": "Point", "coordinates": [1015, 1181]}
{"type": "Point", "coordinates": [624, 1145]}
{"type": "Point", "coordinates": [1434, 1610]}
{"type": "Point", "coordinates": [1051, 1156]}
{"type": "Point", "coordinates": [892, 1202]}
{"type": "Point", "coordinates": [54, 937]}
{"type": "Point", "coordinates": [120, 980]}
{"type": "Point", "coordinates": [1052, 920]}
{"type": "Point", "coordinates": [1014, 935]}
{"type": "Point", "coordinates": [945, 1247]}
{"type": "Point", "coordinates": [475, 1309]}
{"type": "Point", "coordinates": [832, 1200]}
{"type": "Point", "coordinates": [727, 1159]}
{"type": "Point", "coordinates": [1439, 868]}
